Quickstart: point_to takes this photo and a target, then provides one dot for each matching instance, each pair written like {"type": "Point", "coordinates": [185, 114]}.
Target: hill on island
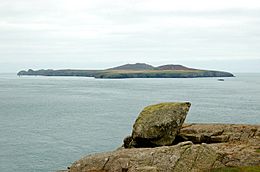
{"type": "Point", "coordinates": [138, 70]}
{"type": "Point", "coordinates": [143, 66]}
{"type": "Point", "coordinates": [174, 67]}
{"type": "Point", "coordinates": [136, 66]}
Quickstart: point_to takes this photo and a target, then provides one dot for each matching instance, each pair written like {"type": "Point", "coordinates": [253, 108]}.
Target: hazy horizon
{"type": "Point", "coordinates": [218, 65]}
{"type": "Point", "coordinates": [84, 34]}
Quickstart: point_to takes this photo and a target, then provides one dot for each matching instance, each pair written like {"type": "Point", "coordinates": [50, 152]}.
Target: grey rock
{"type": "Point", "coordinates": [185, 156]}
{"type": "Point", "coordinates": [158, 125]}
{"type": "Point", "coordinates": [182, 157]}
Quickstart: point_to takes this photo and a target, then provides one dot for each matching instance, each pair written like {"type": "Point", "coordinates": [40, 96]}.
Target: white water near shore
{"type": "Point", "coordinates": [49, 122]}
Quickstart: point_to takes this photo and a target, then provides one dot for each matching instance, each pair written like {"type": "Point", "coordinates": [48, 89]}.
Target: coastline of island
{"type": "Point", "coordinates": [138, 70]}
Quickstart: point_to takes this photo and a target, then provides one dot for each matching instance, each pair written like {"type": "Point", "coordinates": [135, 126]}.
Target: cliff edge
{"type": "Point", "coordinates": [185, 147]}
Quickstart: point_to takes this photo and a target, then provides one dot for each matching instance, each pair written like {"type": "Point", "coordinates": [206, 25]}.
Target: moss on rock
{"type": "Point", "coordinates": [158, 125]}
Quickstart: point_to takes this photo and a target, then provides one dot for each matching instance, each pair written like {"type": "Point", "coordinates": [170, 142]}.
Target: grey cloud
{"type": "Point", "coordinates": [44, 33]}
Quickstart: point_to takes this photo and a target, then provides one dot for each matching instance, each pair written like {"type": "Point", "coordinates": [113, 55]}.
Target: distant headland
{"type": "Point", "coordinates": [138, 70]}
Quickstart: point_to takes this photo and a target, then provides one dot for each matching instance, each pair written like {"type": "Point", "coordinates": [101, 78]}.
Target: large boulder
{"type": "Point", "coordinates": [158, 125]}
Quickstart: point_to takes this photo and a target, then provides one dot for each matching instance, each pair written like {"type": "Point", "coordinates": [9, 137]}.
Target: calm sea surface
{"type": "Point", "coordinates": [46, 123]}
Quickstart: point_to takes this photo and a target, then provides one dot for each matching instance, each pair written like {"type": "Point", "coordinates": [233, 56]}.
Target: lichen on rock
{"type": "Point", "coordinates": [158, 125]}
{"type": "Point", "coordinates": [161, 143]}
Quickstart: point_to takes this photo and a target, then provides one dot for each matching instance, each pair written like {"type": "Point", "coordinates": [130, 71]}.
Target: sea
{"type": "Point", "coordinates": [46, 123]}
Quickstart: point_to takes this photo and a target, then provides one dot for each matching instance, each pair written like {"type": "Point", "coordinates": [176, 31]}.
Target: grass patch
{"type": "Point", "coordinates": [237, 169]}
{"type": "Point", "coordinates": [257, 150]}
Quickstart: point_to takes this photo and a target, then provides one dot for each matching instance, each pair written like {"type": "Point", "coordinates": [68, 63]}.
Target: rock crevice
{"type": "Point", "coordinates": [160, 142]}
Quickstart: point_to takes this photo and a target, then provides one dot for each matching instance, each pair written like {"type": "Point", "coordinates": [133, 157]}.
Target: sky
{"type": "Point", "coordinates": [96, 34]}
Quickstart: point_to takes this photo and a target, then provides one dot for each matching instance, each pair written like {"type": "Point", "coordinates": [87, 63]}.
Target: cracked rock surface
{"type": "Point", "coordinates": [236, 145]}
{"type": "Point", "coordinates": [182, 157]}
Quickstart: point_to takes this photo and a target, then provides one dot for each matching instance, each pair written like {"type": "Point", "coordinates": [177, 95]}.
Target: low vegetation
{"type": "Point", "coordinates": [237, 169]}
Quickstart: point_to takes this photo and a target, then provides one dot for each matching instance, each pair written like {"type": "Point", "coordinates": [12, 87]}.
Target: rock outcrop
{"type": "Point", "coordinates": [241, 149]}
{"type": "Point", "coordinates": [237, 144]}
{"type": "Point", "coordinates": [158, 125]}
{"type": "Point", "coordinates": [161, 143]}
{"type": "Point", "coordinates": [217, 133]}
{"type": "Point", "coordinates": [182, 157]}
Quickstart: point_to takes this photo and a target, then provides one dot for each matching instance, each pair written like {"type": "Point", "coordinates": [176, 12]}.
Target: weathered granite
{"type": "Point", "coordinates": [158, 125]}
{"type": "Point", "coordinates": [182, 157]}
{"type": "Point", "coordinates": [216, 133]}
{"type": "Point", "coordinates": [240, 149]}
{"type": "Point", "coordinates": [237, 144]}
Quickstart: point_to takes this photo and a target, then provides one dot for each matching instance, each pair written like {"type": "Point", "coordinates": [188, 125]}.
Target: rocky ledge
{"type": "Point", "coordinates": [184, 147]}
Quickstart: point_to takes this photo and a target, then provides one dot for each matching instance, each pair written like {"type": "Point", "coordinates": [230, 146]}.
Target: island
{"type": "Point", "coordinates": [138, 70]}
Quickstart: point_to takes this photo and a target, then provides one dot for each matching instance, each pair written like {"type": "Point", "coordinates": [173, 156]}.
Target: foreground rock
{"type": "Point", "coordinates": [217, 133]}
{"type": "Point", "coordinates": [237, 144]}
{"type": "Point", "coordinates": [158, 125]}
{"type": "Point", "coordinates": [182, 157]}
{"type": "Point", "coordinates": [240, 149]}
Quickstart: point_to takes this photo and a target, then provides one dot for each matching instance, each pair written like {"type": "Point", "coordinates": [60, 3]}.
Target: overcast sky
{"type": "Point", "coordinates": [89, 34]}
